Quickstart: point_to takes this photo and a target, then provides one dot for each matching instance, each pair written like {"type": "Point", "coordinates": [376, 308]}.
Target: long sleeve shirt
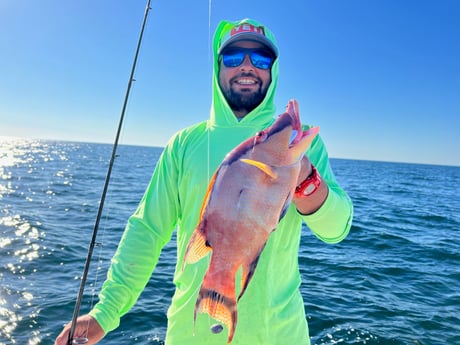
{"type": "Point", "coordinates": [271, 310]}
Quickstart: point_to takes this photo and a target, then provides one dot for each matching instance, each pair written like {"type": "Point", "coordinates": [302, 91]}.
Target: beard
{"type": "Point", "coordinates": [241, 101]}
{"type": "Point", "coordinates": [244, 100]}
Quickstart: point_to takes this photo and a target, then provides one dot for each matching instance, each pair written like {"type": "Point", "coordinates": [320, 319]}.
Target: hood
{"type": "Point", "coordinates": [221, 114]}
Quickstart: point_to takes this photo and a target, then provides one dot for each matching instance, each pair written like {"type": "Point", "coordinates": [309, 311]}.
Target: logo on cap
{"type": "Point", "coordinates": [246, 31]}
{"type": "Point", "coordinates": [247, 28]}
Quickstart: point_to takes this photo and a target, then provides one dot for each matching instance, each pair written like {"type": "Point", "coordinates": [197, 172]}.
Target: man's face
{"type": "Point", "coordinates": [245, 85]}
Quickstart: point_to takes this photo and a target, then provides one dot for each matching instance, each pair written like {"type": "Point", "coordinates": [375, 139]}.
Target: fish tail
{"type": "Point", "coordinates": [218, 306]}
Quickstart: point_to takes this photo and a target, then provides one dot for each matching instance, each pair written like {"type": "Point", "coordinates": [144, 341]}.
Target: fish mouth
{"type": "Point", "coordinates": [284, 139]}
{"type": "Point", "coordinates": [288, 123]}
{"type": "Point", "coordinates": [293, 137]}
{"type": "Point", "coordinates": [296, 133]}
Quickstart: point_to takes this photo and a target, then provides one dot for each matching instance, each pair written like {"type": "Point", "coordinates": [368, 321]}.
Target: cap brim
{"type": "Point", "coordinates": [250, 37]}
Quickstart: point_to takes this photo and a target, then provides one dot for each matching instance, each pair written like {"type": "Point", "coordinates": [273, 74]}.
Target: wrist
{"type": "Point", "coordinates": [310, 185]}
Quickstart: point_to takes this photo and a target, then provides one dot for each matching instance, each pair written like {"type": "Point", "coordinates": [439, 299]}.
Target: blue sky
{"type": "Point", "coordinates": [381, 78]}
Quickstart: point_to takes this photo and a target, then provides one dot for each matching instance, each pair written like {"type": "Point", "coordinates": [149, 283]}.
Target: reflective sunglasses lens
{"type": "Point", "coordinates": [261, 60]}
{"type": "Point", "coordinates": [233, 58]}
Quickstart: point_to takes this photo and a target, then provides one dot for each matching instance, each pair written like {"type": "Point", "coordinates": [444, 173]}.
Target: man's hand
{"type": "Point", "coordinates": [86, 327]}
{"type": "Point", "coordinates": [305, 169]}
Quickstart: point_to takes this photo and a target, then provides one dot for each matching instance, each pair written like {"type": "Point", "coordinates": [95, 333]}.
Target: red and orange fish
{"type": "Point", "coordinates": [247, 197]}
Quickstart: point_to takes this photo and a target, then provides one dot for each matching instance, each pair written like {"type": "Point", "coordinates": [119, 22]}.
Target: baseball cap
{"type": "Point", "coordinates": [248, 30]}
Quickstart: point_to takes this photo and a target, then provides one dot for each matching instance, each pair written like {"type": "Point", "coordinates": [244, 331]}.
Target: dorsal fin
{"type": "Point", "coordinates": [207, 195]}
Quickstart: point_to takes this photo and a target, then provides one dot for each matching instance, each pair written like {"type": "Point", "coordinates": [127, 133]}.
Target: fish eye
{"type": "Point", "coordinates": [261, 136]}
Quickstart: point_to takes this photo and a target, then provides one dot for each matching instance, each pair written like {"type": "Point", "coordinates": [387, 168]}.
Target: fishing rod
{"type": "Point", "coordinates": [82, 340]}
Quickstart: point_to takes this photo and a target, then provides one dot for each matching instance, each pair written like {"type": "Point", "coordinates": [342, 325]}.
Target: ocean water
{"type": "Point", "coordinates": [394, 280]}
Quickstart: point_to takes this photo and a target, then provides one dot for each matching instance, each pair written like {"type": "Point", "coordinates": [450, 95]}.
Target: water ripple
{"type": "Point", "coordinates": [393, 280]}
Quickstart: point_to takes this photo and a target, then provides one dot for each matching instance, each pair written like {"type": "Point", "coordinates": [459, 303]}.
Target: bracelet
{"type": "Point", "coordinates": [309, 185]}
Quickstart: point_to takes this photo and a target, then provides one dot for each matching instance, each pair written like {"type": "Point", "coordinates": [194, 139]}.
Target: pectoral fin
{"type": "Point", "coordinates": [197, 248]}
{"type": "Point", "coordinates": [262, 166]}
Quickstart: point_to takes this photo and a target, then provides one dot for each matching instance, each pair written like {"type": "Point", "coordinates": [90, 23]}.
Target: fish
{"type": "Point", "coordinates": [246, 198]}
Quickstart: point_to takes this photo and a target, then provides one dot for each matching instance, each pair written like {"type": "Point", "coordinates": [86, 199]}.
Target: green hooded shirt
{"type": "Point", "coordinates": [271, 310]}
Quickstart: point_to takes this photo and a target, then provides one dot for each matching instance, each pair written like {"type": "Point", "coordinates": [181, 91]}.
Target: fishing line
{"type": "Point", "coordinates": [104, 191]}
{"type": "Point", "coordinates": [211, 63]}
{"type": "Point", "coordinates": [209, 27]}
{"type": "Point", "coordinates": [216, 328]}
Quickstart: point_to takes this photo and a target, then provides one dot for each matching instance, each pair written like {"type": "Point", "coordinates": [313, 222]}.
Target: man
{"type": "Point", "coordinates": [272, 309]}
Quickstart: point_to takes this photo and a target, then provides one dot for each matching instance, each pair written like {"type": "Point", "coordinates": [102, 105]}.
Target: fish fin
{"type": "Point", "coordinates": [248, 273]}
{"type": "Point", "coordinates": [262, 166]}
{"type": "Point", "coordinates": [207, 195]}
{"type": "Point", "coordinates": [218, 306]}
{"type": "Point", "coordinates": [197, 248]}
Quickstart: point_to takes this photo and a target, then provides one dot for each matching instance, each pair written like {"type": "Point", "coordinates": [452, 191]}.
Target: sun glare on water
{"type": "Point", "coordinates": [9, 155]}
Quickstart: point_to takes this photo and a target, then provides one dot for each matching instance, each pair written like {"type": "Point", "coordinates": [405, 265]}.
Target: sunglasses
{"type": "Point", "coordinates": [260, 58]}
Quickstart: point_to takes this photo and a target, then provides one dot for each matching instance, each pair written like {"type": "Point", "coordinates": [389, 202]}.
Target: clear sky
{"type": "Point", "coordinates": [380, 77]}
